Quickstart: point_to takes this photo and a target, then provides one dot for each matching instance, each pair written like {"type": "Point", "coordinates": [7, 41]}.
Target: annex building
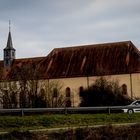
{"type": "Point", "coordinates": [77, 67]}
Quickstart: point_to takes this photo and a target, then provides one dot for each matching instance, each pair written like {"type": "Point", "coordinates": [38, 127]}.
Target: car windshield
{"type": "Point", "coordinates": [135, 103]}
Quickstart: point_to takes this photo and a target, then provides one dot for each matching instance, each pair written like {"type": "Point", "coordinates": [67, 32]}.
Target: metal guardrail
{"type": "Point", "coordinates": [65, 110]}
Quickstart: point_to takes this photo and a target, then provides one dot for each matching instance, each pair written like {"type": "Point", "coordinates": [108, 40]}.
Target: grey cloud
{"type": "Point", "coordinates": [39, 26]}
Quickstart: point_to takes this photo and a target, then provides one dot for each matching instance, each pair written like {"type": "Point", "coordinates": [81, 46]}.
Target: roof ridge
{"type": "Point", "coordinates": [30, 58]}
{"type": "Point", "coordinates": [92, 45]}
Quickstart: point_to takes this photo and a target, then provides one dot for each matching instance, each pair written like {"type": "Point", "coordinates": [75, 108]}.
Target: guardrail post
{"type": "Point", "coordinates": [65, 111]}
{"type": "Point", "coordinates": [22, 112]}
{"type": "Point", "coordinates": [108, 110]}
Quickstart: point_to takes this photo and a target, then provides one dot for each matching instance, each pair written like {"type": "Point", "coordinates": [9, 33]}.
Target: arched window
{"type": "Point", "coordinates": [42, 92]}
{"type": "Point", "coordinates": [55, 92]}
{"type": "Point", "coordinates": [81, 89]}
{"type": "Point", "coordinates": [13, 100]}
{"type": "Point", "coordinates": [124, 89]}
{"type": "Point", "coordinates": [68, 92]}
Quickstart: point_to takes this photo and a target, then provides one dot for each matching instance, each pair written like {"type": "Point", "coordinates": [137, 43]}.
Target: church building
{"type": "Point", "coordinates": [78, 67]}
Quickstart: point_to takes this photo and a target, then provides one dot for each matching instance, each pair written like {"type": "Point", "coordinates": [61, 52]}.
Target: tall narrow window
{"type": "Point", "coordinates": [42, 92]}
{"type": "Point", "coordinates": [68, 92]}
{"type": "Point", "coordinates": [7, 53]}
{"type": "Point", "coordinates": [13, 54]}
{"type": "Point", "coordinates": [81, 89]}
{"type": "Point", "coordinates": [55, 92]}
{"type": "Point", "coordinates": [124, 89]}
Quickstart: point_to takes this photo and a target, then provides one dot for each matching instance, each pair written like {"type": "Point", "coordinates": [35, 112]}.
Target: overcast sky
{"type": "Point", "coordinates": [38, 26]}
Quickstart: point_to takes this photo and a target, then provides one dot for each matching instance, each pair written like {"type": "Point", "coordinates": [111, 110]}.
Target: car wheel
{"type": "Point", "coordinates": [130, 111]}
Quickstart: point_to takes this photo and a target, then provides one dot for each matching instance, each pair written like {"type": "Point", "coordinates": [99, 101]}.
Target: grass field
{"type": "Point", "coordinates": [11, 123]}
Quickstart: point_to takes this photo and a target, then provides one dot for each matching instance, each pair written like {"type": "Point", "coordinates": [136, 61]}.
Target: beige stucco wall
{"type": "Point", "coordinates": [136, 85]}
{"type": "Point", "coordinates": [122, 79]}
{"type": "Point", "coordinates": [132, 81]}
{"type": "Point", "coordinates": [75, 83]}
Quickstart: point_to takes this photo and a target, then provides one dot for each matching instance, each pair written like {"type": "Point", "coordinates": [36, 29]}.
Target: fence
{"type": "Point", "coordinates": [68, 110]}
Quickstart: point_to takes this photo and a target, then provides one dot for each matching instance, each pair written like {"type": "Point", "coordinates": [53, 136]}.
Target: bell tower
{"type": "Point", "coordinates": [9, 51]}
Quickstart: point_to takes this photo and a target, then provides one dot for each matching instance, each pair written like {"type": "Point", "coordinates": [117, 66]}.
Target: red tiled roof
{"type": "Point", "coordinates": [86, 60]}
{"type": "Point", "coordinates": [18, 64]}
{"type": "Point", "coordinates": [90, 60]}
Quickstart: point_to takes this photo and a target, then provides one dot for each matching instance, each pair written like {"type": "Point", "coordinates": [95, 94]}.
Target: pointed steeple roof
{"type": "Point", "coordinates": [9, 42]}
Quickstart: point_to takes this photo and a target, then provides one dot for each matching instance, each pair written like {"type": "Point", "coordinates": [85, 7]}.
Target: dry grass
{"type": "Point", "coordinates": [108, 132]}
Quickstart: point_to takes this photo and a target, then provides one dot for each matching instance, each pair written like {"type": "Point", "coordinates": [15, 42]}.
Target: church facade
{"type": "Point", "coordinates": [78, 67]}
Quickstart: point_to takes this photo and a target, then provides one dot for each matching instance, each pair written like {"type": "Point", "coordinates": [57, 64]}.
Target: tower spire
{"type": "Point", "coordinates": [9, 25]}
{"type": "Point", "coordinates": [9, 51]}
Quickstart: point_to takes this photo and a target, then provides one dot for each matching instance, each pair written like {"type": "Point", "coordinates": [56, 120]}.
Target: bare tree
{"type": "Point", "coordinates": [53, 93]}
{"type": "Point", "coordinates": [35, 92]}
{"type": "Point", "coordinates": [8, 95]}
{"type": "Point", "coordinates": [28, 78]}
{"type": "Point", "coordinates": [28, 90]}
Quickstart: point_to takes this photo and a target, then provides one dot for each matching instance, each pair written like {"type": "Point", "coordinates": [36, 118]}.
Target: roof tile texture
{"type": "Point", "coordinates": [80, 61]}
{"type": "Point", "coordinates": [90, 60]}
